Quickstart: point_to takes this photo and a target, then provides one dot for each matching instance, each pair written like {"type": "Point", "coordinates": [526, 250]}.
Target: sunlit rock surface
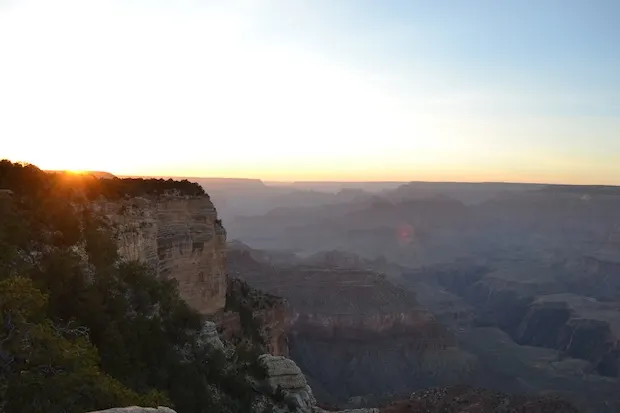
{"type": "Point", "coordinates": [181, 237]}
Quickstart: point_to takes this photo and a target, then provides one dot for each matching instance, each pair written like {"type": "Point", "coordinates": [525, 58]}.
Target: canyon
{"type": "Point", "coordinates": [516, 294]}
{"type": "Point", "coordinates": [357, 337]}
{"type": "Point", "coordinates": [523, 277]}
{"type": "Point", "coordinates": [393, 292]}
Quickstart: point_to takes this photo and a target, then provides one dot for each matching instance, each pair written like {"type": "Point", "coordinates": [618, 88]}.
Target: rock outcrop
{"type": "Point", "coordinates": [211, 337]}
{"type": "Point", "coordinates": [289, 390]}
{"type": "Point", "coordinates": [286, 383]}
{"type": "Point", "coordinates": [181, 237]}
{"type": "Point", "coordinates": [353, 326]}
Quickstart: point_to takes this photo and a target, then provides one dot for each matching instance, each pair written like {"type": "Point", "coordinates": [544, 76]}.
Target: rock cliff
{"type": "Point", "coordinates": [211, 337]}
{"type": "Point", "coordinates": [285, 382]}
{"type": "Point", "coordinates": [181, 237]}
{"type": "Point", "coordinates": [358, 337]}
{"type": "Point", "coordinates": [256, 317]}
{"type": "Point", "coordinates": [593, 275]}
{"type": "Point", "coordinates": [462, 399]}
{"type": "Point", "coordinates": [583, 327]}
{"type": "Point", "coordinates": [551, 339]}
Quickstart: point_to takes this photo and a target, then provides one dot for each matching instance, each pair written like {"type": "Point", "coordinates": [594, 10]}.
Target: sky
{"type": "Point", "coordinates": [357, 90]}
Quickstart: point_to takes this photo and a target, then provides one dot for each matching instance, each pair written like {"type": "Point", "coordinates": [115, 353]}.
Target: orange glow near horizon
{"type": "Point", "coordinates": [336, 173]}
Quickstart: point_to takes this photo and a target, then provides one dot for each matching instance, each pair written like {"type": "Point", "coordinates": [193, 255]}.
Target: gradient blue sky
{"type": "Point", "coordinates": [321, 89]}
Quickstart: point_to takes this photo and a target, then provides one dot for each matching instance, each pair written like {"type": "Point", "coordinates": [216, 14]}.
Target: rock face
{"type": "Point", "coordinates": [211, 337]}
{"type": "Point", "coordinates": [532, 303]}
{"type": "Point", "coordinates": [287, 386]}
{"type": "Point", "coordinates": [285, 380]}
{"type": "Point", "coordinates": [581, 326]}
{"type": "Point", "coordinates": [551, 339]}
{"type": "Point", "coordinates": [256, 316]}
{"type": "Point", "coordinates": [358, 337]}
{"type": "Point", "coordinates": [274, 322]}
{"type": "Point", "coordinates": [181, 237]}
{"type": "Point", "coordinates": [346, 259]}
{"type": "Point", "coordinates": [594, 275]}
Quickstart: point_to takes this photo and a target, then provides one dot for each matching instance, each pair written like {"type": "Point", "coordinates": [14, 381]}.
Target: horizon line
{"type": "Point", "coordinates": [365, 182]}
{"type": "Point", "coordinates": [267, 182]}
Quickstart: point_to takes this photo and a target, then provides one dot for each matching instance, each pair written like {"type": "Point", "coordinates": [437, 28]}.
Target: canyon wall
{"type": "Point", "coordinates": [583, 327]}
{"type": "Point", "coordinates": [357, 337]}
{"type": "Point", "coordinates": [254, 316]}
{"type": "Point", "coordinates": [181, 237]}
{"type": "Point", "coordinates": [360, 360]}
{"type": "Point", "coordinates": [542, 305]}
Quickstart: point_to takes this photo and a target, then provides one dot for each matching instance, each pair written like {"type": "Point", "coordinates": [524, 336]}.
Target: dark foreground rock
{"type": "Point", "coordinates": [462, 399]}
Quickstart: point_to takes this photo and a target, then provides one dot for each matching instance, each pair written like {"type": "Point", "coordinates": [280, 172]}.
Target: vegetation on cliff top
{"type": "Point", "coordinates": [129, 187]}
{"type": "Point", "coordinates": [26, 179]}
{"type": "Point", "coordinates": [79, 330]}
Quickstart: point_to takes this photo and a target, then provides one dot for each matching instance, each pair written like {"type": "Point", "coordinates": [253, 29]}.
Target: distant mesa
{"type": "Point", "coordinates": [239, 183]}
{"type": "Point", "coordinates": [334, 186]}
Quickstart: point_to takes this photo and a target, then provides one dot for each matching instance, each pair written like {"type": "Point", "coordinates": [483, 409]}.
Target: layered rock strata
{"type": "Point", "coordinates": [530, 302]}
{"type": "Point", "coordinates": [285, 381]}
{"type": "Point", "coordinates": [582, 327]}
{"type": "Point", "coordinates": [355, 334]}
{"type": "Point", "coordinates": [181, 237]}
{"type": "Point", "coordinates": [288, 386]}
{"type": "Point", "coordinates": [461, 399]}
{"type": "Point", "coordinates": [254, 316]}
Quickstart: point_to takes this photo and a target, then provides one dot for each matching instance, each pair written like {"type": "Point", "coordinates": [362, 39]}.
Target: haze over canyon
{"type": "Point", "coordinates": [309, 206]}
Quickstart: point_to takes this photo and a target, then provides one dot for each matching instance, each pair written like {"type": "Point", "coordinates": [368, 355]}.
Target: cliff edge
{"type": "Point", "coordinates": [181, 237]}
